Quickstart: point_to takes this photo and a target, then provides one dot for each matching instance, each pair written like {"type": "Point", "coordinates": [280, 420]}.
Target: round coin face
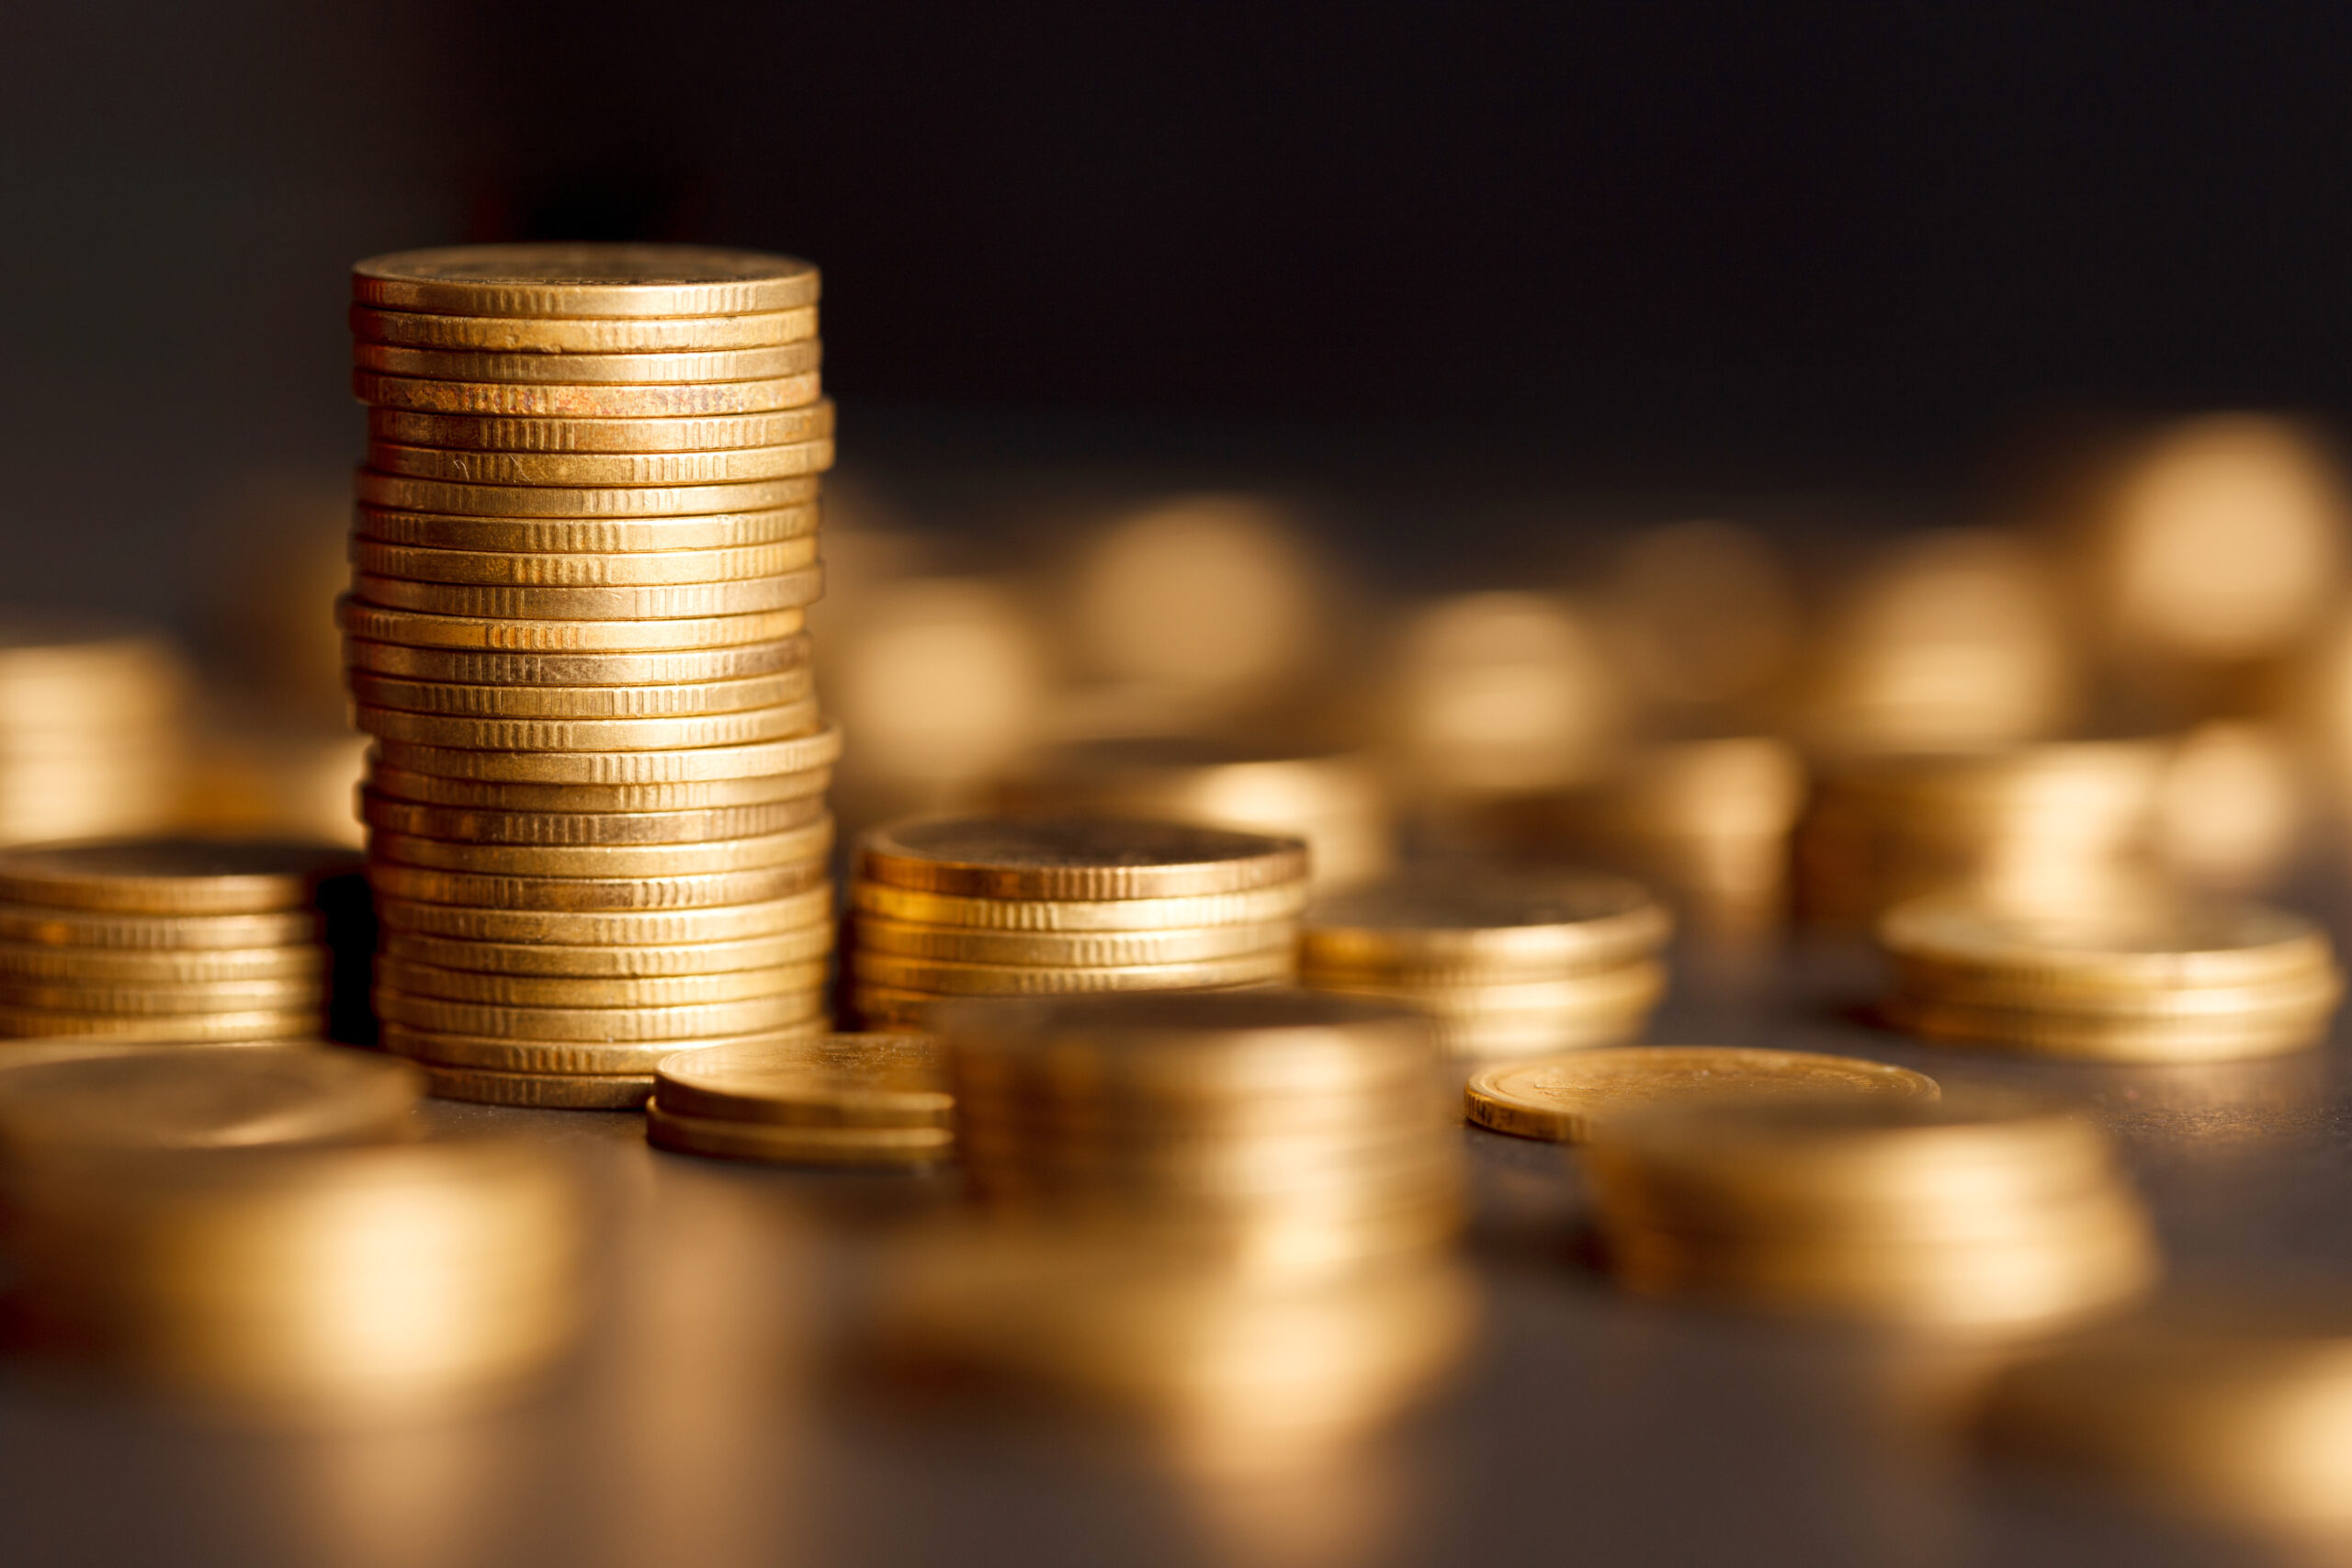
{"type": "Point", "coordinates": [585, 280]}
{"type": "Point", "coordinates": [196, 1099]}
{"type": "Point", "coordinates": [1066, 858]}
{"type": "Point", "coordinates": [1483, 922]}
{"type": "Point", "coordinates": [1556, 1098]}
{"type": "Point", "coordinates": [167, 876]}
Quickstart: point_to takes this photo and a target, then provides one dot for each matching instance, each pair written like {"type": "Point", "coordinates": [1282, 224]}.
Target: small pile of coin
{"type": "Point", "coordinates": [90, 733]}
{"type": "Point", "coordinates": [586, 540]}
{"type": "Point", "coordinates": [1559, 1099]}
{"type": "Point", "coordinates": [183, 941]}
{"type": "Point", "coordinates": [1507, 966]}
{"type": "Point", "coordinates": [2146, 979]}
{"type": "Point", "coordinates": [1972, 1212]}
{"type": "Point", "coordinates": [1035, 905]}
{"type": "Point", "coordinates": [862, 1099]}
{"type": "Point", "coordinates": [2032, 826]}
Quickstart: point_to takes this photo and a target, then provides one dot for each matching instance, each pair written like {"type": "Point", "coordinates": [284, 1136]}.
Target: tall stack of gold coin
{"type": "Point", "coordinates": [1972, 1212]}
{"type": "Point", "coordinates": [2149, 980]}
{"type": "Point", "coordinates": [586, 538]}
{"type": "Point", "coordinates": [182, 941]}
{"type": "Point", "coordinates": [2035, 826]}
{"type": "Point", "coordinates": [1505, 966]}
{"type": "Point", "coordinates": [1024, 906]}
{"type": "Point", "coordinates": [90, 730]}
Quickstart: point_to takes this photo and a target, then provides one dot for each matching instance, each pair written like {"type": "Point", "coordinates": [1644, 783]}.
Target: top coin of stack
{"type": "Point", "coordinates": [180, 940]}
{"type": "Point", "coordinates": [90, 739]}
{"type": "Point", "coordinates": [1018, 905]}
{"type": "Point", "coordinates": [1507, 966]}
{"type": "Point", "coordinates": [2146, 979]}
{"type": "Point", "coordinates": [586, 538]}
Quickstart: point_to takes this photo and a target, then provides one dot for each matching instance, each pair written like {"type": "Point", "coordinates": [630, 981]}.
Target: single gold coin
{"type": "Point", "coordinates": [541, 1091]}
{"type": "Point", "coordinates": [782, 427]}
{"type": "Point", "coordinates": [1495, 1037]}
{"type": "Point", "coordinates": [806, 944]}
{"type": "Point", "coordinates": [525, 569]}
{"type": "Point", "coordinates": [614, 928]}
{"type": "Point", "coordinates": [592, 1024]}
{"type": "Point", "coordinates": [183, 967]}
{"type": "Point", "coordinates": [1625, 988]}
{"type": "Point", "coordinates": [524, 334]}
{"type": "Point", "coordinates": [394, 492]}
{"type": "Point", "coordinates": [650, 602]}
{"type": "Point", "coordinates": [633, 1057]}
{"type": "Point", "coordinates": [836, 1080]}
{"type": "Point", "coordinates": [855, 1146]}
{"type": "Point", "coordinates": [593, 369]}
{"type": "Point", "coordinates": [499, 701]}
{"type": "Point", "coordinates": [1475, 924]}
{"type": "Point", "coordinates": [583, 991]}
{"type": "Point", "coordinates": [594, 895]}
{"type": "Point", "coordinates": [2093, 1038]}
{"type": "Point", "coordinates": [1255, 906]}
{"type": "Point", "coordinates": [1558, 1097]}
{"type": "Point", "coordinates": [374, 623]}
{"type": "Point", "coordinates": [206, 1100]}
{"type": "Point", "coordinates": [686, 668]}
{"type": "Point", "coordinates": [525, 400]}
{"type": "Point", "coordinates": [567, 280]}
{"type": "Point", "coordinates": [818, 748]}
{"type": "Point", "coordinates": [581, 828]}
{"type": "Point", "coordinates": [287, 995]}
{"type": "Point", "coordinates": [2129, 945]}
{"type": "Point", "coordinates": [113, 931]}
{"type": "Point", "coordinates": [793, 846]}
{"type": "Point", "coordinates": [1011, 979]}
{"type": "Point", "coordinates": [587, 535]}
{"type": "Point", "coordinates": [799, 789]}
{"type": "Point", "coordinates": [730, 464]}
{"type": "Point", "coordinates": [1073, 949]}
{"type": "Point", "coordinates": [463, 732]}
{"type": "Point", "coordinates": [192, 1029]}
{"type": "Point", "coordinates": [1063, 858]}
{"type": "Point", "coordinates": [174, 876]}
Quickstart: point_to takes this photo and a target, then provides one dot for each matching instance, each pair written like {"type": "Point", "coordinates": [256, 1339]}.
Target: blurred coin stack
{"type": "Point", "coordinates": [1505, 966]}
{"type": "Point", "coordinates": [1035, 905]}
{"type": "Point", "coordinates": [90, 730]}
{"type": "Point", "coordinates": [1970, 1212]}
{"type": "Point", "coordinates": [865, 1099]}
{"type": "Point", "coordinates": [2034, 826]}
{"type": "Point", "coordinates": [177, 940]}
{"type": "Point", "coordinates": [585, 542]}
{"type": "Point", "coordinates": [2143, 979]}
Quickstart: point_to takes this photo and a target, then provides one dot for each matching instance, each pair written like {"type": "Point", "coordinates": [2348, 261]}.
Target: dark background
{"type": "Point", "coordinates": [1830, 237]}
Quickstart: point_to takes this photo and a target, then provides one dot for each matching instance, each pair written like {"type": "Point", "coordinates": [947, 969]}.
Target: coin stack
{"type": "Point", "coordinates": [182, 941]}
{"type": "Point", "coordinates": [1035, 905]}
{"type": "Point", "coordinates": [130, 1100]}
{"type": "Point", "coordinates": [2147, 980]}
{"type": "Point", "coordinates": [90, 735]}
{"type": "Point", "coordinates": [1507, 966]}
{"type": "Point", "coordinates": [1559, 1098]}
{"type": "Point", "coordinates": [587, 540]}
{"type": "Point", "coordinates": [865, 1100]}
{"type": "Point", "coordinates": [1972, 1212]}
{"type": "Point", "coordinates": [2034, 827]}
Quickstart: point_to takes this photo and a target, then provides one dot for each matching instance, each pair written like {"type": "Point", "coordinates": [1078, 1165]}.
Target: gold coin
{"type": "Point", "coordinates": [1626, 987]}
{"type": "Point", "coordinates": [206, 1100]}
{"type": "Point", "coordinates": [518, 569]}
{"type": "Point", "coordinates": [797, 755]}
{"type": "Point", "coordinates": [500, 701]}
{"type": "Point", "coordinates": [395, 492]}
{"type": "Point", "coordinates": [793, 846]}
{"type": "Point", "coordinates": [1558, 1097]}
{"type": "Point", "coordinates": [582, 991]}
{"type": "Point", "coordinates": [2134, 945]}
{"type": "Point", "coordinates": [799, 788]}
{"type": "Point", "coordinates": [529, 400]}
{"type": "Point", "coordinates": [192, 1029]}
{"type": "Point", "coordinates": [513, 334]}
{"type": "Point", "coordinates": [497, 634]}
{"type": "Point", "coordinates": [567, 280]}
{"type": "Point", "coordinates": [1063, 858]}
{"type": "Point", "coordinates": [637, 1057]}
{"type": "Point", "coordinates": [591, 894]}
{"type": "Point", "coordinates": [587, 535]}
{"type": "Point", "coordinates": [686, 668]}
{"type": "Point", "coordinates": [173, 876]}
{"type": "Point", "coordinates": [798, 946]}
{"type": "Point", "coordinates": [1511, 1036]}
{"type": "Point", "coordinates": [1106, 915]}
{"type": "Point", "coordinates": [583, 827]}
{"type": "Point", "coordinates": [1011, 979]}
{"type": "Point", "coordinates": [839, 1080]}
{"type": "Point", "coordinates": [1073, 950]}
{"type": "Point", "coordinates": [463, 732]}
{"type": "Point", "coordinates": [663, 602]}
{"type": "Point", "coordinates": [593, 1024]}
{"type": "Point", "coordinates": [730, 464]}
{"type": "Point", "coordinates": [2316, 992]}
{"type": "Point", "coordinates": [1476, 924]}
{"type": "Point", "coordinates": [35, 961]}
{"type": "Point", "coordinates": [797, 1145]}
{"type": "Point", "coordinates": [673, 368]}
{"type": "Point", "coordinates": [2114, 1040]}
{"type": "Point", "coordinates": [155, 997]}
{"type": "Point", "coordinates": [158, 933]}
{"type": "Point", "coordinates": [542, 1091]}
{"type": "Point", "coordinates": [782, 427]}
{"type": "Point", "coordinates": [620, 927]}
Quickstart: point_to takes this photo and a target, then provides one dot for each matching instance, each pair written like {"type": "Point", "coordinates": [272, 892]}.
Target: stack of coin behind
{"type": "Point", "coordinates": [586, 537]}
{"type": "Point", "coordinates": [1021, 905]}
{"type": "Point", "coordinates": [2143, 979]}
{"type": "Point", "coordinates": [183, 941]}
{"type": "Point", "coordinates": [90, 730]}
{"type": "Point", "coordinates": [1972, 1212]}
{"type": "Point", "coordinates": [1505, 966]}
{"type": "Point", "coordinates": [871, 1099]}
